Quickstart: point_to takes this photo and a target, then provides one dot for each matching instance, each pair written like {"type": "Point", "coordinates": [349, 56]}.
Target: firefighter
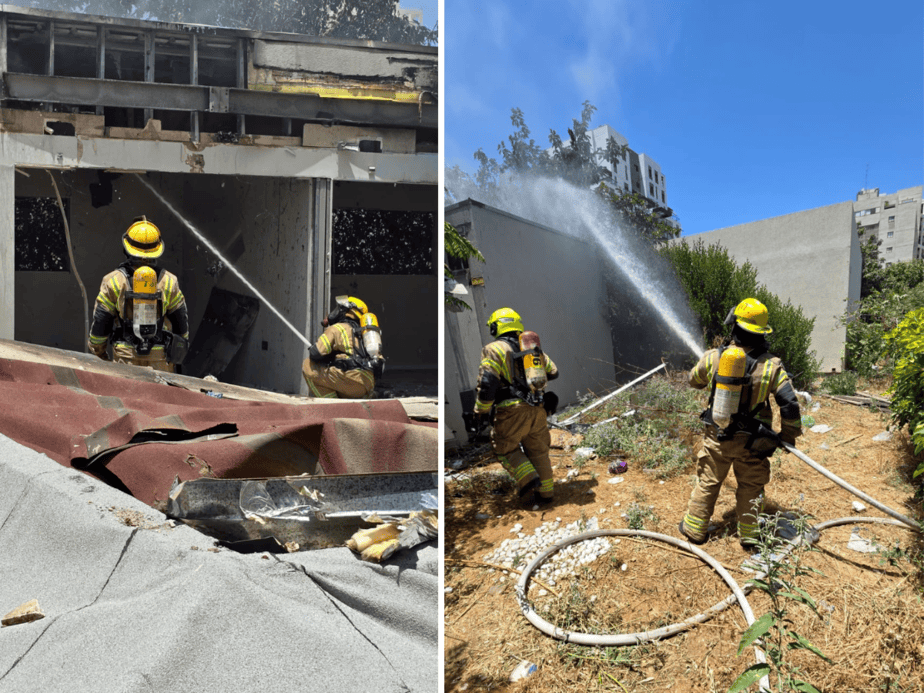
{"type": "Point", "coordinates": [738, 420]}
{"type": "Point", "coordinates": [347, 358]}
{"type": "Point", "coordinates": [140, 308]}
{"type": "Point", "coordinates": [519, 410]}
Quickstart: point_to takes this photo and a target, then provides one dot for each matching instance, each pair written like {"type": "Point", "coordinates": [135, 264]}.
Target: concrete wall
{"type": "Point", "coordinates": [811, 259]}
{"type": "Point", "coordinates": [267, 220]}
{"type": "Point", "coordinates": [7, 255]}
{"type": "Point", "coordinates": [556, 284]}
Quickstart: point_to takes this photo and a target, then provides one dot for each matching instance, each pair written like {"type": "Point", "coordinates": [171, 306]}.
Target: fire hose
{"type": "Point", "coordinates": [738, 593]}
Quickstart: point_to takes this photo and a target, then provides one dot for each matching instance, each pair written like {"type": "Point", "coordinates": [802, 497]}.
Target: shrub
{"type": "Point", "coordinates": [906, 346]}
{"type": "Point", "coordinates": [889, 293]}
{"type": "Point", "coordinates": [715, 283]}
{"type": "Point", "coordinates": [841, 384]}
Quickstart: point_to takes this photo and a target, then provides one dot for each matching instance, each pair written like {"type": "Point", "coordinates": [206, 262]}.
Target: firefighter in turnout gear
{"type": "Point", "coordinates": [140, 308]}
{"type": "Point", "coordinates": [742, 376]}
{"type": "Point", "coordinates": [347, 357]}
{"type": "Point", "coordinates": [504, 385]}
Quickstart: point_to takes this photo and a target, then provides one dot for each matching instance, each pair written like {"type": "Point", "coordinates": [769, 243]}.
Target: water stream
{"type": "Point", "coordinates": [224, 261]}
{"type": "Point", "coordinates": [581, 213]}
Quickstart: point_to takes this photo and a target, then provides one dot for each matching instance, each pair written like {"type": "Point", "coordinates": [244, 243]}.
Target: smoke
{"type": "Point", "coordinates": [584, 215]}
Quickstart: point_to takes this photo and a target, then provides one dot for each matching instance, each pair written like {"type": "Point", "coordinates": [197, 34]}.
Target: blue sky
{"type": "Point", "coordinates": [752, 109]}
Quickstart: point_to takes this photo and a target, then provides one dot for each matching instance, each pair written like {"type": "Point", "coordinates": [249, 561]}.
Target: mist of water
{"type": "Point", "coordinates": [224, 261]}
{"type": "Point", "coordinates": [581, 213]}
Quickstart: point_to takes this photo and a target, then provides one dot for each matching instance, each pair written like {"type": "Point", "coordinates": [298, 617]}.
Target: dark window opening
{"type": "Point", "coordinates": [41, 245]}
{"type": "Point", "coordinates": [374, 241]}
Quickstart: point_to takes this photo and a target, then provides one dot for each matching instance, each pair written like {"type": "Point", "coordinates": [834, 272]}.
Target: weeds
{"type": "Point", "coordinates": [637, 515]}
{"type": "Point", "coordinates": [772, 631]}
{"type": "Point", "coordinates": [481, 484]}
{"type": "Point", "coordinates": [841, 383]}
{"type": "Point", "coordinates": [657, 436]}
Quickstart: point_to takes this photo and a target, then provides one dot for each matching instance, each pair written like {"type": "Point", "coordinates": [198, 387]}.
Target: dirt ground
{"type": "Point", "coordinates": [869, 622]}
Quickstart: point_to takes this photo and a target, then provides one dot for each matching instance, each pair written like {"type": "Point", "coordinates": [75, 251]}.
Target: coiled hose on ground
{"type": "Point", "coordinates": [738, 593]}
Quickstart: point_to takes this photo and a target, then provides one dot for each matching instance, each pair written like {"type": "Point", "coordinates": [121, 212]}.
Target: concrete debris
{"type": "Point", "coordinates": [562, 440]}
{"type": "Point", "coordinates": [858, 507]}
{"type": "Point", "coordinates": [587, 453]}
{"type": "Point", "coordinates": [30, 611]}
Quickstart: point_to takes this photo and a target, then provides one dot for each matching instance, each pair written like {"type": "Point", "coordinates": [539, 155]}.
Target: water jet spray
{"type": "Point", "coordinates": [223, 260]}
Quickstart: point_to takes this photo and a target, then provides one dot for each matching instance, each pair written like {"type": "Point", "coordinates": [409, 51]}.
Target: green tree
{"type": "Point", "coordinates": [715, 283]}
{"type": "Point", "coordinates": [887, 294]}
{"type": "Point", "coordinates": [575, 161]}
{"type": "Point", "coordinates": [372, 20]}
{"type": "Point", "coordinates": [459, 248]}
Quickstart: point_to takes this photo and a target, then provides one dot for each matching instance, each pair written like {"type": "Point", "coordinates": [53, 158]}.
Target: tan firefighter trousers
{"type": "Point", "coordinates": [713, 463]}
{"type": "Point", "coordinates": [526, 425]}
{"type": "Point", "coordinates": [329, 381]}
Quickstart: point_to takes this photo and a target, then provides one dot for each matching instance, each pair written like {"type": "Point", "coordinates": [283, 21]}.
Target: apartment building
{"type": "Point", "coordinates": [631, 172]}
{"type": "Point", "coordinates": [895, 219]}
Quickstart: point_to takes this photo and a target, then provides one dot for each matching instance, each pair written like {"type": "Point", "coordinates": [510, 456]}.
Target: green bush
{"type": "Point", "coordinates": [906, 346]}
{"type": "Point", "coordinates": [841, 384]}
{"type": "Point", "coordinates": [715, 284]}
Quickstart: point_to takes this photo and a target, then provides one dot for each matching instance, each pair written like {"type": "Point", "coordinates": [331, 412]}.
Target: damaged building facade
{"type": "Point", "coordinates": [309, 164]}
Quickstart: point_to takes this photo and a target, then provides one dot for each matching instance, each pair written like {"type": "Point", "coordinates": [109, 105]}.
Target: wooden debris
{"type": "Point", "coordinates": [863, 399]}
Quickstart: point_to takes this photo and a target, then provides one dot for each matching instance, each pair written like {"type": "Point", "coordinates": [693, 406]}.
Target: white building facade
{"type": "Point", "coordinates": [893, 218]}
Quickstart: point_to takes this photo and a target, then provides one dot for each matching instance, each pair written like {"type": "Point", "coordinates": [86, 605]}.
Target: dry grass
{"type": "Point", "coordinates": [870, 625]}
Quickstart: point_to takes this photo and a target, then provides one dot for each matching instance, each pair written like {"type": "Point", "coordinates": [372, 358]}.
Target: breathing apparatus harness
{"type": "Point", "coordinates": [361, 359]}
{"type": "Point", "coordinates": [145, 329]}
{"type": "Point", "coordinates": [762, 440]}
{"type": "Point", "coordinates": [520, 388]}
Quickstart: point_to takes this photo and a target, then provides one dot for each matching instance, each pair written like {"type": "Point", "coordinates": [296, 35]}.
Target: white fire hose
{"type": "Point", "coordinates": [738, 593]}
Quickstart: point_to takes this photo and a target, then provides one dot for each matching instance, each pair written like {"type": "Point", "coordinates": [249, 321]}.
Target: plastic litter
{"type": "Point", "coordinates": [616, 480]}
{"type": "Point", "coordinates": [523, 669]}
{"type": "Point", "coordinates": [885, 435]}
{"type": "Point", "coordinates": [585, 452]}
{"type": "Point", "coordinates": [858, 507]}
{"type": "Point", "coordinates": [618, 467]}
{"type": "Point", "coordinates": [820, 428]}
{"type": "Point", "coordinates": [861, 544]}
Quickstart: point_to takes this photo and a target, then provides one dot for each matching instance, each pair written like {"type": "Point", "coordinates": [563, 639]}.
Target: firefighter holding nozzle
{"type": "Point", "coordinates": [511, 381]}
{"type": "Point", "coordinates": [347, 357]}
{"type": "Point", "coordinates": [742, 376]}
{"type": "Point", "coordinates": [140, 307]}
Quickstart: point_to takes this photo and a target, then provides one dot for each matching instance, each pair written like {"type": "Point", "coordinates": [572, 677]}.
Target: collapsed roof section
{"type": "Point", "coordinates": [101, 77]}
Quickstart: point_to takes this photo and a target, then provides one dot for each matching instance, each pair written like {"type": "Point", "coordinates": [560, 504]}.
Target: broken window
{"type": "Point", "coordinates": [375, 241]}
{"type": "Point", "coordinates": [41, 245]}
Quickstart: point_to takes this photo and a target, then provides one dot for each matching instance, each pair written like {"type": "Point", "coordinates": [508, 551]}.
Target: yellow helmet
{"type": "Point", "coordinates": [142, 240]}
{"type": "Point", "coordinates": [750, 315]}
{"type": "Point", "coordinates": [347, 307]}
{"type": "Point", "coordinates": [504, 320]}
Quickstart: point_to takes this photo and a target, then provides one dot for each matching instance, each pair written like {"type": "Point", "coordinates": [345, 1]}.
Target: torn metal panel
{"type": "Point", "coordinates": [391, 73]}
{"type": "Point", "coordinates": [311, 511]}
